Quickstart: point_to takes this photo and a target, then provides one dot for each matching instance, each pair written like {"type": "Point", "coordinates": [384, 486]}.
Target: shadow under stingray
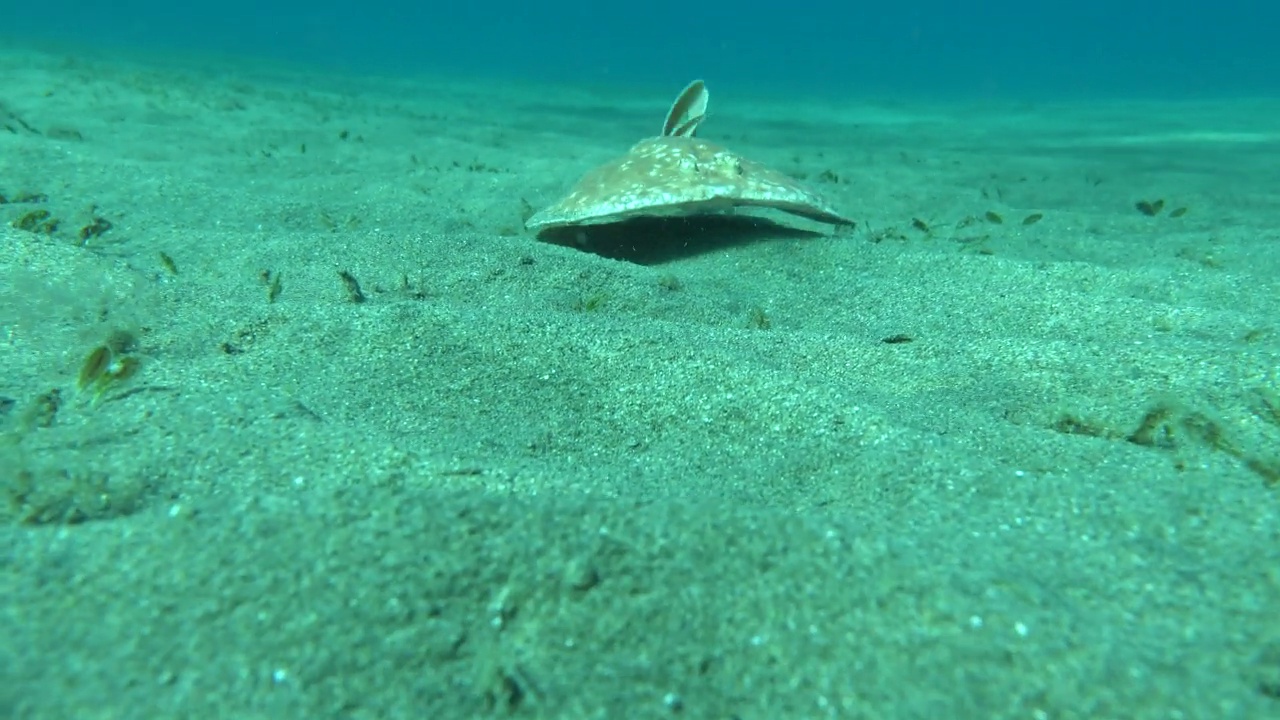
{"type": "Point", "coordinates": [655, 240]}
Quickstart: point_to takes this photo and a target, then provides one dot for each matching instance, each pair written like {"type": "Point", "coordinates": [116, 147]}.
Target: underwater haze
{"type": "Point", "coordinates": [1000, 47]}
{"type": "Point", "coordinates": [390, 361]}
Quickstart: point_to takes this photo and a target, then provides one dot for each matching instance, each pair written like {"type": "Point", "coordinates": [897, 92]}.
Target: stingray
{"type": "Point", "coordinates": [677, 174]}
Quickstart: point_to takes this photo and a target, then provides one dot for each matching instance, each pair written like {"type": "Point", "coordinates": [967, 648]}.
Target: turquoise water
{"type": "Point", "coordinates": [299, 419]}
{"type": "Point", "coordinates": [1003, 48]}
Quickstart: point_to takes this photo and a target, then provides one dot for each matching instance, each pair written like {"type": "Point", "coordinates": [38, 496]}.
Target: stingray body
{"type": "Point", "coordinates": [678, 174]}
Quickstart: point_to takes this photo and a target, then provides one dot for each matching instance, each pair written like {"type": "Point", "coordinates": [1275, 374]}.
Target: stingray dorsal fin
{"type": "Point", "coordinates": [687, 111]}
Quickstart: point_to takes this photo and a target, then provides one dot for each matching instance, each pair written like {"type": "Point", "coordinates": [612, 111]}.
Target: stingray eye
{"type": "Point", "coordinates": [728, 164]}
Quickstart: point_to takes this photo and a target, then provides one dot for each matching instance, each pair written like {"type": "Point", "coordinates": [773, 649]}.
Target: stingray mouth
{"type": "Point", "coordinates": [649, 240]}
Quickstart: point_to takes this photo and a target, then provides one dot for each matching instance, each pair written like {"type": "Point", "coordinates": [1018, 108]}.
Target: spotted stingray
{"type": "Point", "coordinates": [677, 174]}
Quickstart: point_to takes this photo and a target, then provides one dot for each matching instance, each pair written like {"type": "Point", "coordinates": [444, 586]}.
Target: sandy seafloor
{"type": "Point", "coordinates": [527, 480]}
